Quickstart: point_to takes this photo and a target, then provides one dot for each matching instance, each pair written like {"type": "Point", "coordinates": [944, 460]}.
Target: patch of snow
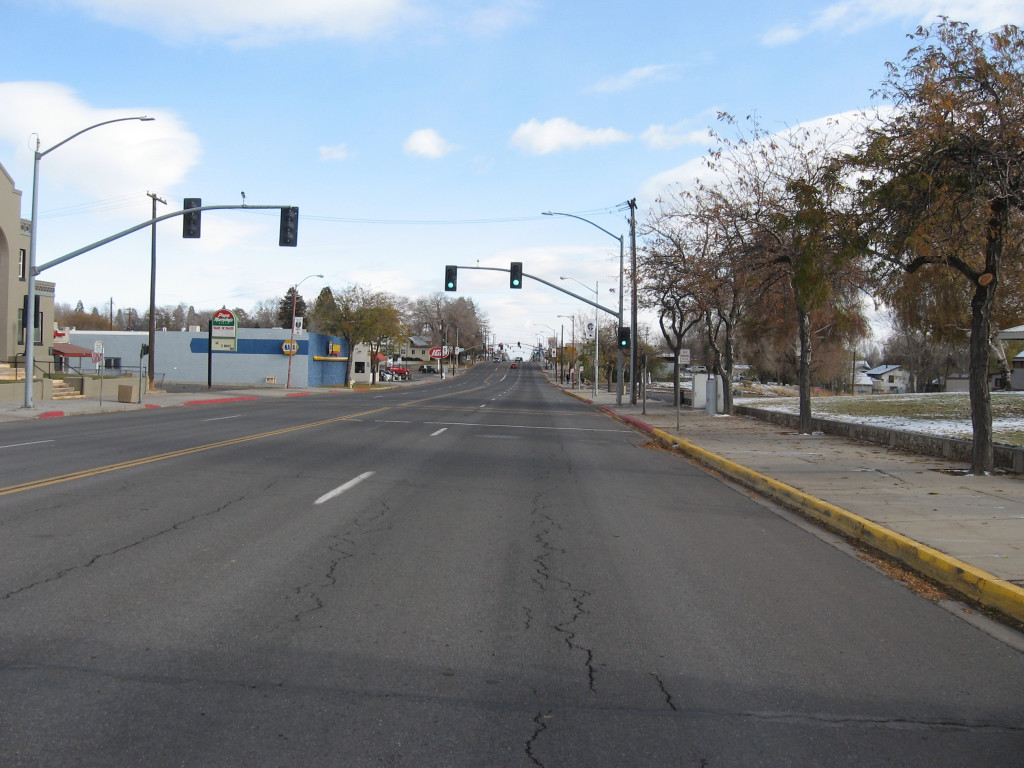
{"type": "Point", "coordinates": [940, 427]}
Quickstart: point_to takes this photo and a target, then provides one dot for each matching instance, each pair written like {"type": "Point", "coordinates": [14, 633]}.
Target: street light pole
{"type": "Point", "coordinates": [291, 354]}
{"type": "Point", "coordinates": [152, 299]}
{"type": "Point", "coordinates": [572, 358]}
{"type": "Point", "coordinates": [632, 304]}
{"type": "Point", "coordinates": [30, 309]}
{"type": "Point", "coordinates": [622, 256]}
{"type": "Point", "coordinates": [597, 324]}
{"type": "Point", "coordinates": [542, 325]}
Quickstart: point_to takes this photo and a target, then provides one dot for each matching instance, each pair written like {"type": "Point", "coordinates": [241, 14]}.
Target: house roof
{"type": "Point", "coordinates": [881, 370]}
{"type": "Point", "coordinates": [1012, 334]}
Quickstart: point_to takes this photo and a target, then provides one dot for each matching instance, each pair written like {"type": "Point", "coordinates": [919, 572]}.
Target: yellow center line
{"type": "Point", "coordinates": [82, 474]}
{"type": "Point", "coordinates": [172, 455]}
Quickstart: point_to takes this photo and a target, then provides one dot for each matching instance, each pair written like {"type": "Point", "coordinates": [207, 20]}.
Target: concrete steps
{"type": "Point", "coordinates": [63, 391]}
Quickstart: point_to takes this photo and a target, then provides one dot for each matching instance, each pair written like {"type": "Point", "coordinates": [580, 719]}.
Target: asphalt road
{"type": "Point", "coordinates": [478, 572]}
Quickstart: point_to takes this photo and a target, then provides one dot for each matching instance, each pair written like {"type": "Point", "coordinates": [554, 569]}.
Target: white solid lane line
{"type": "Point", "coordinates": [435, 434]}
{"type": "Point", "coordinates": [20, 445]}
{"type": "Point", "coordinates": [342, 488]}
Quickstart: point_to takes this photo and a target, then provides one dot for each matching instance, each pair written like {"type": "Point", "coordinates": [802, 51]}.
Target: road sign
{"type": "Point", "coordinates": [684, 357]}
{"type": "Point", "coordinates": [97, 352]}
{"type": "Point", "coordinates": [438, 353]}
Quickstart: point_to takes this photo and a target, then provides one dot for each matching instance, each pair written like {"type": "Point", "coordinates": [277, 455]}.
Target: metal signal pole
{"type": "Point", "coordinates": [152, 297]}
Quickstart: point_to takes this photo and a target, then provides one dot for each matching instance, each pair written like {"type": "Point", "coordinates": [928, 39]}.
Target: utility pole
{"type": "Point", "coordinates": [632, 311]}
{"type": "Point", "coordinates": [152, 295]}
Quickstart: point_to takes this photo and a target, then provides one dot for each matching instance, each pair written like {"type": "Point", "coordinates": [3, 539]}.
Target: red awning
{"type": "Point", "coordinates": [71, 350]}
{"type": "Point", "coordinates": [379, 358]}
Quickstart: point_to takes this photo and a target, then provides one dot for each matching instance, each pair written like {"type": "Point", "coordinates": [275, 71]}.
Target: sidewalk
{"type": "Point", "coordinates": [11, 411]}
{"type": "Point", "coordinates": [963, 531]}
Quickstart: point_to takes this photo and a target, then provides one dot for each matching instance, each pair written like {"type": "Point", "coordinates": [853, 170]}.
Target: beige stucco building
{"type": "Point", "coordinates": [15, 234]}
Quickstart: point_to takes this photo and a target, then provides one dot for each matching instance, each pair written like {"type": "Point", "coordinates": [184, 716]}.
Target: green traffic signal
{"type": "Point", "coordinates": [451, 277]}
{"type": "Point", "coordinates": [624, 337]}
{"type": "Point", "coordinates": [515, 275]}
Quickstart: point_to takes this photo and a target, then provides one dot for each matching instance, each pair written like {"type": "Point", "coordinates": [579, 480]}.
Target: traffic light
{"type": "Point", "coordinates": [515, 275]}
{"type": "Point", "coordinates": [451, 277]}
{"type": "Point", "coordinates": [623, 337]}
{"type": "Point", "coordinates": [190, 221]}
{"type": "Point", "coordinates": [289, 227]}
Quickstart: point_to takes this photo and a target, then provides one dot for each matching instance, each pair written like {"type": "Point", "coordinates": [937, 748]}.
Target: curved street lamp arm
{"type": "Point", "coordinates": [574, 216]}
{"type": "Point", "coordinates": [143, 118]}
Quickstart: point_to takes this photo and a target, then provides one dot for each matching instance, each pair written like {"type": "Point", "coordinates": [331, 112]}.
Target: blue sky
{"type": "Point", "coordinates": [410, 133]}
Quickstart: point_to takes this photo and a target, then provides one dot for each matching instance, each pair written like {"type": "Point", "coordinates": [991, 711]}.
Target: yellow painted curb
{"type": "Point", "coordinates": [976, 584]}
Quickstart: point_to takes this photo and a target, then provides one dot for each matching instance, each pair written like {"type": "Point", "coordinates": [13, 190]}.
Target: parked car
{"type": "Point", "coordinates": [400, 374]}
{"type": "Point", "coordinates": [384, 374]}
{"type": "Point", "coordinates": [428, 369]}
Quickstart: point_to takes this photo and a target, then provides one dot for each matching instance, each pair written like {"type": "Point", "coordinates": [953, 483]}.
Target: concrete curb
{"type": "Point", "coordinates": [978, 585]}
{"type": "Point", "coordinates": [974, 583]}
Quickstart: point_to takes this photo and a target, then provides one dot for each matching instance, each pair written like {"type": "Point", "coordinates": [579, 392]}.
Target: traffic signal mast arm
{"type": "Point", "coordinates": [613, 312]}
{"type": "Point", "coordinates": [149, 223]}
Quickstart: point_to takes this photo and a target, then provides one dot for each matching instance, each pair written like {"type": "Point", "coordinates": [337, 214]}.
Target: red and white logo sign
{"type": "Point", "coordinates": [438, 353]}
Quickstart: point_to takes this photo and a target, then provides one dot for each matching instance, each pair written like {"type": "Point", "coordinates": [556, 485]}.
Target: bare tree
{"type": "Point", "coordinates": [362, 316]}
{"type": "Point", "coordinates": [946, 176]}
{"type": "Point", "coordinates": [801, 232]}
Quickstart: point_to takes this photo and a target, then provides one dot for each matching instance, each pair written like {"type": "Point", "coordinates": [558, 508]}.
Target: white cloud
{"type": "Point", "coordinates": [782, 35]}
{"type": "Point", "coordinates": [105, 162]}
{"type": "Point", "coordinates": [841, 129]}
{"type": "Point", "coordinates": [558, 133]}
{"type": "Point", "coordinates": [856, 15]}
{"type": "Point", "coordinates": [633, 78]}
{"type": "Point", "coordinates": [427, 143]}
{"type": "Point", "coordinates": [683, 175]}
{"type": "Point", "coordinates": [660, 137]}
{"type": "Point", "coordinates": [500, 16]}
{"type": "Point", "coordinates": [337, 152]}
{"type": "Point", "coordinates": [254, 22]}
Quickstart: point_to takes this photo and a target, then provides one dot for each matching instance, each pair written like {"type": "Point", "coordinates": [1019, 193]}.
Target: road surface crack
{"type": "Point", "coordinates": [118, 550]}
{"type": "Point", "coordinates": [665, 692]}
{"type": "Point", "coordinates": [541, 726]}
{"type": "Point", "coordinates": [544, 579]}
